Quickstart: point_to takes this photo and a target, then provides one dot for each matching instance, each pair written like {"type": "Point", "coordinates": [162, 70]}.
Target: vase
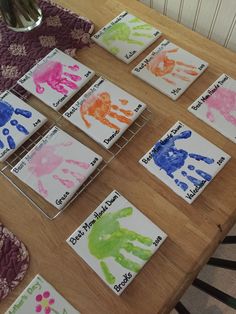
{"type": "Point", "coordinates": [20, 15]}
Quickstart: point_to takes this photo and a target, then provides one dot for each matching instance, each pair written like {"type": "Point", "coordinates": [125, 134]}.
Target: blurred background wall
{"type": "Point", "coordinates": [215, 19]}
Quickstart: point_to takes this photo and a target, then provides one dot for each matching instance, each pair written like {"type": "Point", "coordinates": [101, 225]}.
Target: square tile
{"type": "Point", "coordinates": [57, 166]}
{"type": "Point", "coordinates": [18, 121]}
{"type": "Point", "coordinates": [184, 161]}
{"type": "Point", "coordinates": [104, 112]}
{"type": "Point", "coordinates": [56, 78]}
{"type": "Point", "coordinates": [170, 69]}
{"type": "Point", "coordinates": [116, 240]}
{"type": "Point", "coordinates": [39, 296]}
{"type": "Point", "coordinates": [126, 36]}
{"type": "Point", "coordinates": [217, 106]}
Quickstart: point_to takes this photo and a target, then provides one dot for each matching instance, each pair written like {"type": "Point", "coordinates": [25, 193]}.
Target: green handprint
{"type": "Point", "coordinates": [107, 239]}
{"type": "Point", "coordinates": [123, 32]}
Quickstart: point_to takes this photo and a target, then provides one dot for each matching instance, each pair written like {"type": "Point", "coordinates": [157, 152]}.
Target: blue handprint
{"type": "Point", "coordinates": [170, 159]}
{"type": "Point", "coordinates": [6, 113]}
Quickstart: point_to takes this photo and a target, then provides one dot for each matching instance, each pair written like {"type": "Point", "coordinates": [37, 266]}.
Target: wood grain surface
{"type": "Point", "coordinates": [194, 230]}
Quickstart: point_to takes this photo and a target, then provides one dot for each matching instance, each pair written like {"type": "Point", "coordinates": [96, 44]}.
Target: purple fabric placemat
{"type": "Point", "coordinates": [60, 28]}
{"type": "Point", "coordinates": [14, 261]}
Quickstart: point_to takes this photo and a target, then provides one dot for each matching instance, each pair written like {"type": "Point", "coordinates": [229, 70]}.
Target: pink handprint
{"type": "Point", "coordinates": [46, 161]}
{"type": "Point", "coordinates": [224, 101]}
{"type": "Point", "coordinates": [52, 74]}
{"type": "Point", "coordinates": [161, 66]}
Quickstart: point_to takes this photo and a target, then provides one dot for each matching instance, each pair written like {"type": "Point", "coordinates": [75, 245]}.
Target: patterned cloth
{"type": "Point", "coordinates": [20, 51]}
{"type": "Point", "coordinates": [14, 261]}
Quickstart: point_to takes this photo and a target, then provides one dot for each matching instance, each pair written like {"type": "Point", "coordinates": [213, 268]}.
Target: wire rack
{"type": "Point", "coordinates": [108, 155]}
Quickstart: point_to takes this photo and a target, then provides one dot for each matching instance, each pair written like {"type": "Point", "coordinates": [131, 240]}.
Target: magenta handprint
{"type": "Point", "coordinates": [48, 162]}
{"type": "Point", "coordinates": [223, 101]}
{"type": "Point", "coordinates": [53, 75]}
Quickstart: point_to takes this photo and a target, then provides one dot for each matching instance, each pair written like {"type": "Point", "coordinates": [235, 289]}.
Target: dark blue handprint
{"type": "Point", "coordinates": [169, 158]}
{"type": "Point", "coordinates": [6, 113]}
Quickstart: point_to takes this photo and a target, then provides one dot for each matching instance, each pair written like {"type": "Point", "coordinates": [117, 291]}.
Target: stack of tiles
{"type": "Point", "coordinates": [56, 78]}
{"type": "Point", "coordinates": [18, 121]}
{"type": "Point", "coordinates": [57, 166]}
{"type": "Point", "coordinates": [217, 106]}
{"type": "Point", "coordinates": [126, 36]}
{"type": "Point", "coordinates": [104, 112]}
{"type": "Point", "coordinates": [116, 240]}
{"type": "Point", "coordinates": [41, 297]}
{"type": "Point", "coordinates": [170, 69]}
{"type": "Point", "coordinates": [184, 161]}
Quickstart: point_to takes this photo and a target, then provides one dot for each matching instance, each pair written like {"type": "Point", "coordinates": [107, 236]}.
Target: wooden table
{"type": "Point", "coordinates": [194, 230]}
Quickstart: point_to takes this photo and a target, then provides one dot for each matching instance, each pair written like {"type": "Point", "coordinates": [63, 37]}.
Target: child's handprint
{"type": "Point", "coordinates": [127, 33]}
{"type": "Point", "coordinates": [46, 161]}
{"type": "Point", "coordinates": [223, 101]}
{"type": "Point", "coordinates": [108, 239]}
{"type": "Point", "coordinates": [100, 107]}
{"type": "Point", "coordinates": [161, 66]}
{"type": "Point", "coordinates": [171, 159]}
{"type": "Point", "coordinates": [52, 74]}
{"type": "Point", "coordinates": [7, 119]}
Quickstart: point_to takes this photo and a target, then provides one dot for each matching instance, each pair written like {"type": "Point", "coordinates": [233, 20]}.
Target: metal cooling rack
{"type": "Point", "coordinates": [42, 205]}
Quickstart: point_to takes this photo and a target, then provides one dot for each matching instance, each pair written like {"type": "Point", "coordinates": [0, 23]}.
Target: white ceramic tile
{"type": "Point", "coordinates": [170, 69]}
{"type": "Point", "coordinates": [126, 36]}
{"type": "Point", "coordinates": [56, 78]}
{"type": "Point", "coordinates": [217, 106]}
{"type": "Point", "coordinates": [104, 112]}
{"type": "Point", "coordinates": [116, 240]}
{"type": "Point", "coordinates": [185, 161]}
{"type": "Point", "coordinates": [18, 121]}
{"type": "Point", "coordinates": [40, 297]}
{"type": "Point", "coordinates": [57, 166]}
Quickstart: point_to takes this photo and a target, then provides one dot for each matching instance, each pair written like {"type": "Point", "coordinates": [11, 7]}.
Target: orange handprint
{"type": "Point", "coordinates": [161, 66]}
{"type": "Point", "coordinates": [100, 106]}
